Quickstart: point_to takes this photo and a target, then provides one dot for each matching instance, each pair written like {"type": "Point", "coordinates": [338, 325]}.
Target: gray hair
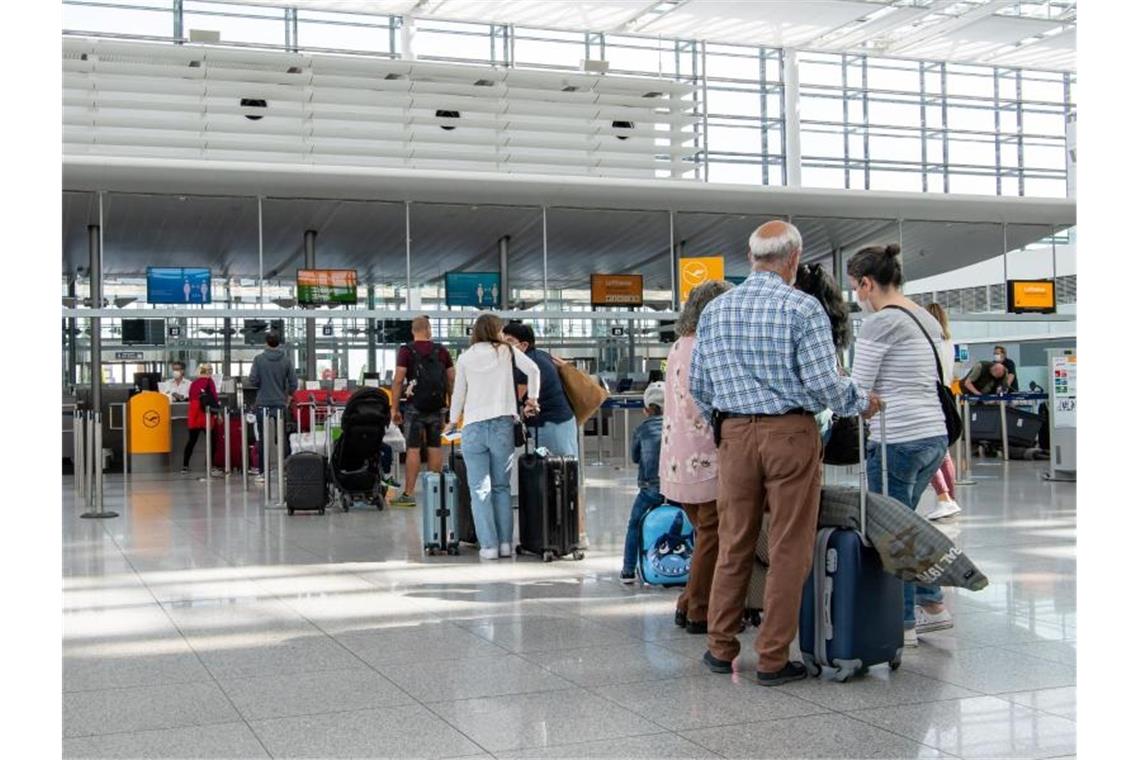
{"type": "Point", "coordinates": [774, 248]}
{"type": "Point", "coordinates": [699, 298]}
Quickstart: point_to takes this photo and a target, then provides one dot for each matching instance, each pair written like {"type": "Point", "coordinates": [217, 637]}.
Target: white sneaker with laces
{"type": "Point", "coordinates": [926, 622]}
{"type": "Point", "coordinates": [910, 637]}
{"type": "Point", "coordinates": [504, 550]}
{"type": "Point", "coordinates": [491, 553]}
{"type": "Point", "coordinates": [943, 509]}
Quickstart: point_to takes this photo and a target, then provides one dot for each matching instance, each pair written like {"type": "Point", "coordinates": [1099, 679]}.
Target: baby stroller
{"type": "Point", "coordinates": [355, 466]}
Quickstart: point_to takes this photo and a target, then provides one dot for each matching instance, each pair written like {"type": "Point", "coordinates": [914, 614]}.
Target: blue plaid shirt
{"type": "Point", "coordinates": [766, 348]}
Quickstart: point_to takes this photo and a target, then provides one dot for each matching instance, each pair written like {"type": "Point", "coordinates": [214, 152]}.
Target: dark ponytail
{"type": "Point", "coordinates": [881, 263]}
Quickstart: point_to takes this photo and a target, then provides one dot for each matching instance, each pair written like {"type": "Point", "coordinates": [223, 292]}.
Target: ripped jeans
{"type": "Point", "coordinates": [488, 448]}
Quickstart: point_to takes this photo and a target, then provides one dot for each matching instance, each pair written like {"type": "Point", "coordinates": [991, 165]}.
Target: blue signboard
{"type": "Point", "coordinates": [179, 285]}
{"type": "Point", "coordinates": [478, 289]}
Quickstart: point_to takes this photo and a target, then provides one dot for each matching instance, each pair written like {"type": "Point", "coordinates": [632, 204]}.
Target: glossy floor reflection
{"type": "Point", "coordinates": [201, 623]}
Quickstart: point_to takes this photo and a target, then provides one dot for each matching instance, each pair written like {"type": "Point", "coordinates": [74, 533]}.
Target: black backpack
{"type": "Point", "coordinates": [430, 377]}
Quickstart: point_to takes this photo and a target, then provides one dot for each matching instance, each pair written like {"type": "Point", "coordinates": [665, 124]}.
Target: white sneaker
{"type": "Point", "coordinates": [910, 637]}
{"type": "Point", "coordinates": [925, 622]}
{"type": "Point", "coordinates": [942, 510]}
{"type": "Point", "coordinates": [505, 550]}
{"type": "Point", "coordinates": [491, 553]}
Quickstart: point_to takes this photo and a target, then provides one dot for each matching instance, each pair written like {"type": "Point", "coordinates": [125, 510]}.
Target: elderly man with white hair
{"type": "Point", "coordinates": [763, 365]}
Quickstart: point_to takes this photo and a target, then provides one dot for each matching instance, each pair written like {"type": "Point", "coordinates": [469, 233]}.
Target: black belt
{"type": "Point", "coordinates": [737, 415]}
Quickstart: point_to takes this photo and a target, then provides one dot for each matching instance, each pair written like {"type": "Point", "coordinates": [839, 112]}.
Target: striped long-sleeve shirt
{"type": "Point", "coordinates": [766, 348]}
{"type": "Point", "coordinates": [893, 359]}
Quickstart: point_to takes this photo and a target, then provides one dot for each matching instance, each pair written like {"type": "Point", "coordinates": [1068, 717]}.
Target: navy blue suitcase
{"type": "Point", "coordinates": [852, 610]}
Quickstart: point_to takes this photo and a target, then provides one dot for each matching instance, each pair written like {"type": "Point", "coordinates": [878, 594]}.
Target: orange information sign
{"type": "Point", "coordinates": [697, 271]}
{"type": "Point", "coordinates": [616, 290]}
{"type": "Point", "coordinates": [149, 415]}
{"type": "Point", "coordinates": [1031, 296]}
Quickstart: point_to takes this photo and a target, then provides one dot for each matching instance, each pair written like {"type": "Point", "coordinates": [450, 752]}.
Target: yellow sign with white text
{"type": "Point", "coordinates": [697, 271]}
{"type": "Point", "coordinates": [149, 414]}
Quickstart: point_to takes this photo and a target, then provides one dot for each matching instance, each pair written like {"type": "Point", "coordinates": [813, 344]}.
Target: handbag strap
{"type": "Point", "coordinates": [925, 334]}
{"type": "Point", "coordinates": [514, 389]}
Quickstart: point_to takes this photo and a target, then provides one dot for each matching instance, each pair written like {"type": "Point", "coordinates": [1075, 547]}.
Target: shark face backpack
{"type": "Point", "coordinates": [666, 546]}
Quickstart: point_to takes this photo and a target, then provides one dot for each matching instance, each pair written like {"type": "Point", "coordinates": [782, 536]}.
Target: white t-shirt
{"type": "Point", "coordinates": [485, 383]}
{"type": "Point", "coordinates": [173, 388]}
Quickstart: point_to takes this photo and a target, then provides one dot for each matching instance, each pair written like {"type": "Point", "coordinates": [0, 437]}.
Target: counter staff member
{"type": "Point", "coordinates": [177, 387]}
{"type": "Point", "coordinates": [763, 365]}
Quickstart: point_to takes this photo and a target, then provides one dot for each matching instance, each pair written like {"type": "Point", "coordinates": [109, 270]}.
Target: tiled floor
{"type": "Point", "coordinates": [202, 624]}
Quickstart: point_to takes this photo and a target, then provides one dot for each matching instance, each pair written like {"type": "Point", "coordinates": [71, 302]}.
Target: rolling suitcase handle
{"type": "Point", "coordinates": [864, 476]}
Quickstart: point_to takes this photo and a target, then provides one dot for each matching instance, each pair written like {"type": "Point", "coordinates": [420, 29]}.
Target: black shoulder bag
{"type": "Point", "coordinates": [945, 397]}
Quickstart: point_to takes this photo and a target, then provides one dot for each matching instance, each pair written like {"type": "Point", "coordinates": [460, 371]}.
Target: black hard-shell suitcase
{"type": "Point", "coordinates": [306, 482]}
{"type": "Point", "coordinates": [548, 506]}
{"type": "Point", "coordinates": [464, 519]}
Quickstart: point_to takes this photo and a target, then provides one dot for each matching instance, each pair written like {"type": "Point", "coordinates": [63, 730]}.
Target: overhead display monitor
{"type": "Point", "coordinates": [144, 332]}
{"type": "Point", "coordinates": [478, 289]}
{"type": "Point", "coordinates": [177, 285]}
{"type": "Point", "coordinates": [616, 290]}
{"type": "Point", "coordinates": [1030, 296]}
{"type": "Point", "coordinates": [326, 287]}
{"type": "Point", "coordinates": [255, 330]}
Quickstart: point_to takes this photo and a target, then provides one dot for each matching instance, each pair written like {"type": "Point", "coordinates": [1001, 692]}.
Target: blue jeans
{"type": "Point", "coordinates": [910, 466]}
{"type": "Point", "coordinates": [489, 452]}
{"type": "Point", "coordinates": [647, 499]}
{"type": "Point", "coordinates": [262, 413]}
{"type": "Point", "coordinates": [559, 438]}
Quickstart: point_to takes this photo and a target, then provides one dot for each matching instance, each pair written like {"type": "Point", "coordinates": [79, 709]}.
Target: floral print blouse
{"type": "Point", "coordinates": [688, 454]}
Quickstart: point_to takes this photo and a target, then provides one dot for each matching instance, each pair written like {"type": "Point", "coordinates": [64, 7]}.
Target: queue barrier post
{"type": "Point", "coordinates": [96, 498]}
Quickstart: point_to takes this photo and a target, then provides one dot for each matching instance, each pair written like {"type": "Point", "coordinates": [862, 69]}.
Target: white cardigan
{"type": "Point", "coordinates": [485, 383]}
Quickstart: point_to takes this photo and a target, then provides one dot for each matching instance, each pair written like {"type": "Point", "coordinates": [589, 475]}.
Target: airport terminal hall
{"type": "Point", "coordinates": [534, 379]}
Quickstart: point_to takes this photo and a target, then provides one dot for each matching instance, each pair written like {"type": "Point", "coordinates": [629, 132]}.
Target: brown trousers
{"type": "Point", "coordinates": [694, 600]}
{"type": "Point", "coordinates": [766, 465]}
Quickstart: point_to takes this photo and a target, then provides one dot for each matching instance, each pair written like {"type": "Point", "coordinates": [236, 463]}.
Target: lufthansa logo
{"type": "Point", "coordinates": [695, 272]}
{"type": "Point", "coordinates": [151, 419]}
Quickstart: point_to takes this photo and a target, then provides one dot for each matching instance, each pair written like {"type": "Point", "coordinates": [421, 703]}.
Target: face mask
{"type": "Point", "coordinates": [998, 358]}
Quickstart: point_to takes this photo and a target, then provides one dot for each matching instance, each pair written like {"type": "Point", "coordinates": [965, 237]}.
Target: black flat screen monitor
{"type": "Point", "coordinates": [255, 330]}
{"type": "Point", "coordinates": [144, 332]}
{"type": "Point", "coordinates": [147, 381]}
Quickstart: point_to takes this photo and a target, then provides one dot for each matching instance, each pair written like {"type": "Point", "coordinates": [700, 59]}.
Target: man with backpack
{"type": "Point", "coordinates": [429, 372]}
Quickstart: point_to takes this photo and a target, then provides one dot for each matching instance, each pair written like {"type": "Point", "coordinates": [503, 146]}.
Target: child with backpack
{"type": "Point", "coordinates": [646, 453]}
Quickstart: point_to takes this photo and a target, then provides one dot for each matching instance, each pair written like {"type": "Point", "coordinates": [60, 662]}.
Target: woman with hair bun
{"type": "Point", "coordinates": [895, 358]}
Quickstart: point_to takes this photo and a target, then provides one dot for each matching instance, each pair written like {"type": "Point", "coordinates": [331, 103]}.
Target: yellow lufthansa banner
{"type": "Point", "coordinates": [697, 271]}
{"type": "Point", "coordinates": [149, 414]}
{"type": "Point", "coordinates": [1032, 295]}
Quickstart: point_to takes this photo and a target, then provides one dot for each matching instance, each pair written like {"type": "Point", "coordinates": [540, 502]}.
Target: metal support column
{"type": "Point", "coordinates": [310, 322]}
{"type": "Point", "coordinates": [793, 157]}
{"type": "Point", "coordinates": [371, 327]}
{"type": "Point", "coordinates": [504, 272]}
{"type": "Point", "coordinates": [1005, 255]}
{"type": "Point", "coordinates": [674, 263]}
{"type": "Point", "coordinates": [261, 256]}
{"type": "Point", "coordinates": [95, 264]}
{"type": "Point", "coordinates": [408, 246]}
{"type": "Point", "coordinates": [95, 460]}
{"type": "Point", "coordinates": [72, 337]}
{"type": "Point", "coordinates": [545, 285]}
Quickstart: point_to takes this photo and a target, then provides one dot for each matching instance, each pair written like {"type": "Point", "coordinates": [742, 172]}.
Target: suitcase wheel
{"type": "Point", "coordinates": [518, 550]}
{"type": "Point", "coordinates": [578, 555]}
{"type": "Point", "coordinates": [290, 511]}
{"type": "Point", "coordinates": [548, 556]}
{"type": "Point", "coordinates": [321, 511]}
{"type": "Point", "coordinates": [895, 663]}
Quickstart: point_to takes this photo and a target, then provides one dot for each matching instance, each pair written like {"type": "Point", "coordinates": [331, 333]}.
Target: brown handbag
{"type": "Point", "coordinates": [583, 392]}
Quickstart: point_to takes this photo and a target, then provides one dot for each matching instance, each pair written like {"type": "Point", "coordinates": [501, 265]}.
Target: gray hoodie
{"type": "Point", "coordinates": [274, 378]}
